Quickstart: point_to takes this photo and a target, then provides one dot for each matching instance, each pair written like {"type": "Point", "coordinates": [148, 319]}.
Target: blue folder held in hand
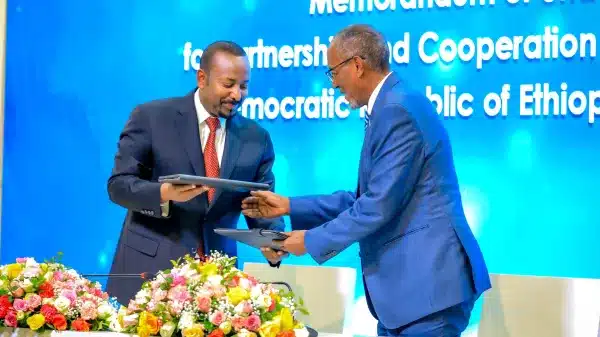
{"type": "Point", "coordinates": [254, 237]}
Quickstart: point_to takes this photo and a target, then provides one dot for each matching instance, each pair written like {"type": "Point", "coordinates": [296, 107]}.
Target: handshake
{"type": "Point", "coordinates": [260, 204]}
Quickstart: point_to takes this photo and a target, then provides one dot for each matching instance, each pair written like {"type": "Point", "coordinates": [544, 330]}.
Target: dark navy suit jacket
{"type": "Point", "coordinates": [161, 138]}
{"type": "Point", "coordinates": [417, 251]}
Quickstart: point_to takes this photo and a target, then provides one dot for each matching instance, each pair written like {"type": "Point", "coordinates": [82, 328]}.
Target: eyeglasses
{"type": "Point", "coordinates": [329, 72]}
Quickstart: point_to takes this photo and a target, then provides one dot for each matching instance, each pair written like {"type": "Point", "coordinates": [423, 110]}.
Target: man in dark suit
{"type": "Point", "coordinates": [422, 267]}
{"type": "Point", "coordinates": [198, 134]}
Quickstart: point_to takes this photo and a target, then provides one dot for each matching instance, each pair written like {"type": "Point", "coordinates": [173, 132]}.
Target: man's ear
{"type": "Point", "coordinates": [201, 79]}
{"type": "Point", "coordinates": [359, 63]}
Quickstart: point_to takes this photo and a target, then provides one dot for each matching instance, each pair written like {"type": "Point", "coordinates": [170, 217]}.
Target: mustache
{"type": "Point", "coordinates": [234, 102]}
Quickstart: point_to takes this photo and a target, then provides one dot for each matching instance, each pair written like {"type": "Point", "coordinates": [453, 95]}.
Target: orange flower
{"type": "Point", "coordinates": [287, 333]}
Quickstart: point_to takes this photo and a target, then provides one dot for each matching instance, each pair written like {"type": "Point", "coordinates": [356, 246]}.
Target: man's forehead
{"type": "Point", "coordinates": [332, 57]}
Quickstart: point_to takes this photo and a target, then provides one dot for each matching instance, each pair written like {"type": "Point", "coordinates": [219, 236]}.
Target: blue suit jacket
{"type": "Point", "coordinates": [161, 138]}
{"type": "Point", "coordinates": [417, 251]}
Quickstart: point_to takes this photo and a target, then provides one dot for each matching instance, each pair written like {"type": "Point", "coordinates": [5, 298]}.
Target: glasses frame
{"type": "Point", "coordinates": [329, 73]}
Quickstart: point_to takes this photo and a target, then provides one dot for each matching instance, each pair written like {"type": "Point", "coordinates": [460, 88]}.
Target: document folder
{"type": "Point", "coordinates": [236, 185]}
{"type": "Point", "coordinates": [254, 237]}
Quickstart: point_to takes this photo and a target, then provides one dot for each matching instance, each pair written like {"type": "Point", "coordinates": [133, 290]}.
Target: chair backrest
{"type": "Point", "coordinates": [540, 306]}
{"type": "Point", "coordinates": [328, 292]}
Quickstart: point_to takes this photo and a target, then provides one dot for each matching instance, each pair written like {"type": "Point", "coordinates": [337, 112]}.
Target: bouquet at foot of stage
{"type": "Point", "coordinates": [50, 296]}
{"type": "Point", "coordinates": [209, 297]}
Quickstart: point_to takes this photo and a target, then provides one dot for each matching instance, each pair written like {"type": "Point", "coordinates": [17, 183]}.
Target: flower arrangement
{"type": "Point", "coordinates": [209, 297]}
{"type": "Point", "coordinates": [50, 296]}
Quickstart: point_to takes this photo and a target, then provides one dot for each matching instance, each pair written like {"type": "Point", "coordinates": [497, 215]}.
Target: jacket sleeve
{"type": "Point", "coordinates": [129, 184]}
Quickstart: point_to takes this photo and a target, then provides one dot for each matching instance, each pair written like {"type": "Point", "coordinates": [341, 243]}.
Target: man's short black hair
{"type": "Point", "coordinates": [219, 46]}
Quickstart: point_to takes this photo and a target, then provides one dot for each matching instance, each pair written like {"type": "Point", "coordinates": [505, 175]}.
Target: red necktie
{"type": "Point", "coordinates": [211, 161]}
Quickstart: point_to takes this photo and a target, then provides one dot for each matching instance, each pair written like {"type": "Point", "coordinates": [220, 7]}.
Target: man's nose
{"type": "Point", "coordinates": [236, 94]}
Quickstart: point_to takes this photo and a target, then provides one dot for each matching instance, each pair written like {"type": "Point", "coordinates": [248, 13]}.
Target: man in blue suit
{"type": "Point", "coordinates": [198, 134]}
{"type": "Point", "coordinates": [422, 267]}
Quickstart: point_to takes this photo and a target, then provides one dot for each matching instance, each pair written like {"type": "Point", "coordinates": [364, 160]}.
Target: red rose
{"type": "Point", "coordinates": [60, 322]}
{"type": "Point", "coordinates": [48, 311]}
{"type": "Point", "coordinates": [80, 325]}
{"type": "Point", "coordinates": [4, 300]}
{"type": "Point", "coordinates": [11, 319]}
{"type": "Point", "coordinates": [46, 290]}
{"type": "Point", "coordinates": [216, 333]}
{"type": "Point", "coordinates": [4, 310]}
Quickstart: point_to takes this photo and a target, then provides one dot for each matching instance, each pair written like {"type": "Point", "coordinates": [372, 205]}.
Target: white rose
{"type": "Point", "coordinates": [167, 329]}
{"type": "Point", "coordinates": [114, 325]}
{"type": "Point", "coordinates": [27, 285]}
{"type": "Point", "coordinates": [31, 263]}
{"type": "Point", "coordinates": [186, 320]}
{"type": "Point", "coordinates": [130, 320]}
{"type": "Point", "coordinates": [263, 301]}
{"type": "Point", "coordinates": [142, 296]}
{"type": "Point", "coordinates": [256, 291]}
{"type": "Point", "coordinates": [215, 279]}
{"type": "Point", "coordinates": [49, 275]}
{"type": "Point", "coordinates": [245, 283]}
{"type": "Point", "coordinates": [105, 310]}
{"type": "Point", "coordinates": [62, 304]}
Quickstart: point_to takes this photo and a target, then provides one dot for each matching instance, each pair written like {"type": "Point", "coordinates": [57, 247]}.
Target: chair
{"type": "Point", "coordinates": [328, 292]}
{"type": "Point", "coordinates": [531, 306]}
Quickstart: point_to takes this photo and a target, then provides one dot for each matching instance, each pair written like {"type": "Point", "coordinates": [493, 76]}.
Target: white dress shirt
{"type": "Point", "coordinates": [204, 133]}
{"type": "Point", "coordinates": [375, 93]}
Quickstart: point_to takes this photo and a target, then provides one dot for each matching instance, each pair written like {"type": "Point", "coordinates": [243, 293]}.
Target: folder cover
{"type": "Point", "coordinates": [254, 237]}
{"type": "Point", "coordinates": [236, 185]}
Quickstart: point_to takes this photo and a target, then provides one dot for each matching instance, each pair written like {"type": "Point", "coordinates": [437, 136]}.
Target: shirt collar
{"type": "Point", "coordinates": [375, 93]}
{"type": "Point", "coordinates": [201, 111]}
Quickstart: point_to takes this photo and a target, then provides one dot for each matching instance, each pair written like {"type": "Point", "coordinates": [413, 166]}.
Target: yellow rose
{"type": "Point", "coordinates": [13, 270]}
{"type": "Point", "coordinates": [36, 321]}
{"type": "Point", "coordinates": [287, 320]}
{"type": "Point", "coordinates": [151, 322]}
{"type": "Point", "coordinates": [237, 294]}
{"type": "Point", "coordinates": [196, 330]}
{"type": "Point", "coordinates": [225, 327]}
{"type": "Point", "coordinates": [209, 269]}
{"type": "Point", "coordinates": [143, 331]}
{"type": "Point", "coordinates": [270, 328]}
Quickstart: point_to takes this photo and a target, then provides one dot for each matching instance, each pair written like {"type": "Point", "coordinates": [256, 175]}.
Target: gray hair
{"type": "Point", "coordinates": [364, 41]}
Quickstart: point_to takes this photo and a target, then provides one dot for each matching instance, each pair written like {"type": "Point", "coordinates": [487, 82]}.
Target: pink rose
{"type": "Point", "coordinates": [252, 322]}
{"type": "Point", "coordinates": [179, 294]}
{"type": "Point", "coordinates": [159, 295]}
{"type": "Point", "coordinates": [58, 275]}
{"type": "Point", "coordinates": [238, 323]}
{"type": "Point", "coordinates": [21, 259]}
{"type": "Point", "coordinates": [203, 303]}
{"type": "Point", "coordinates": [175, 307]}
{"type": "Point", "coordinates": [88, 311]}
{"type": "Point", "coordinates": [34, 301]}
{"type": "Point", "coordinates": [132, 307]}
{"type": "Point", "coordinates": [217, 318]}
{"type": "Point", "coordinates": [11, 319]}
{"type": "Point", "coordinates": [178, 281]}
{"type": "Point", "coordinates": [247, 308]}
{"type": "Point", "coordinates": [70, 294]}
{"type": "Point", "coordinates": [20, 305]}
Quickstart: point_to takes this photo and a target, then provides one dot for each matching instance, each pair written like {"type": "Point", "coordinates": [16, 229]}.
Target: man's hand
{"type": "Point", "coordinates": [294, 243]}
{"type": "Point", "coordinates": [265, 204]}
{"type": "Point", "coordinates": [180, 193]}
{"type": "Point", "coordinates": [273, 256]}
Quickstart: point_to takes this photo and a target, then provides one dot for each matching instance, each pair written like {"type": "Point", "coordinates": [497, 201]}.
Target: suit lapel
{"type": "Point", "coordinates": [389, 83]}
{"type": "Point", "coordinates": [188, 129]}
{"type": "Point", "coordinates": [231, 152]}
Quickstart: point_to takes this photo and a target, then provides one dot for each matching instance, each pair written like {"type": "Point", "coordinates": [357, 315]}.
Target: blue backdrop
{"type": "Point", "coordinates": [75, 69]}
